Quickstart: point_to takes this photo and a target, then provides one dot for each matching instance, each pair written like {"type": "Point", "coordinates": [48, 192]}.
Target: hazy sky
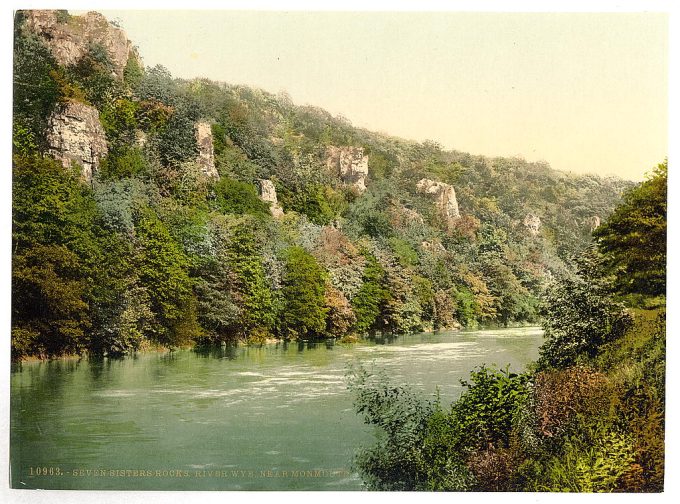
{"type": "Point", "coordinates": [584, 92]}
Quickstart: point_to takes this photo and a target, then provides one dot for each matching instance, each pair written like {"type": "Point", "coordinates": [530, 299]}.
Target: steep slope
{"type": "Point", "coordinates": [207, 202]}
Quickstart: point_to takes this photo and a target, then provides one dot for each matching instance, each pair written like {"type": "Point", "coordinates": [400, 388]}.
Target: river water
{"type": "Point", "coordinates": [276, 417]}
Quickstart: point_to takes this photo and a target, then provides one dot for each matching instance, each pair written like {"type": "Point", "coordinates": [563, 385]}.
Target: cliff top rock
{"type": "Point", "coordinates": [350, 164]}
{"type": "Point", "coordinates": [444, 195]}
{"type": "Point", "coordinates": [69, 38]}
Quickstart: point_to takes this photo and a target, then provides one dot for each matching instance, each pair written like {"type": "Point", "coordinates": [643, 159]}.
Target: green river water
{"type": "Point", "coordinates": [276, 417]}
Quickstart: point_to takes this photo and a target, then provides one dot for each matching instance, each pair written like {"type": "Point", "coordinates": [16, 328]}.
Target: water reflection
{"type": "Point", "coordinates": [280, 405]}
{"type": "Point", "coordinates": [228, 351]}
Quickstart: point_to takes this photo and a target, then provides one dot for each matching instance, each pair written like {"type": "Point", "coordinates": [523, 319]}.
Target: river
{"type": "Point", "coordinates": [275, 417]}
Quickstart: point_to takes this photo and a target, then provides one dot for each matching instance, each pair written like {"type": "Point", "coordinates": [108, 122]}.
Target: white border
{"type": "Point", "coordinates": [672, 445]}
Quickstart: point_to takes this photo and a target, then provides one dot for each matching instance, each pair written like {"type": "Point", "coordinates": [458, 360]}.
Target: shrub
{"type": "Point", "coordinates": [561, 395]}
{"type": "Point", "coordinates": [339, 315]}
{"type": "Point", "coordinates": [232, 196]}
{"type": "Point", "coordinates": [304, 311]}
{"type": "Point", "coordinates": [124, 162]}
{"type": "Point", "coordinates": [580, 316]}
{"type": "Point", "coordinates": [585, 467]}
{"type": "Point", "coordinates": [396, 461]}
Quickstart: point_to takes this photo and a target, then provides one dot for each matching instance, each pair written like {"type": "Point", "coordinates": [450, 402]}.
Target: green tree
{"type": "Point", "coordinates": [580, 315]}
{"type": "Point", "coordinates": [55, 216]}
{"type": "Point", "coordinates": [35, 91]}
{"type": "Point", "coordinates": [633, 239]}
{"type": "Point", "coordinates": [50, 314]}
{"type": "Point", "coordinates": [251, 291]}
{"type": "Point", "coordinates": [304, 311]}
{"type": "Point", "coordinates": [162, 268]}
{"type": "Point", "coordinates": [371, 298]}
{"type": "Point", "coordinates": [233, 196]}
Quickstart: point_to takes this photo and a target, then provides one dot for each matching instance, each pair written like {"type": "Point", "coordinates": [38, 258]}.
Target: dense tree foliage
{"type": "Point", "coordinates": [156, 252]}
{"type": "Point", "coordinates": [633, 240]}
{"type": "Point", "coordinates": [587, 417]}
{"type": "Point", "coordinates": [303, 313]}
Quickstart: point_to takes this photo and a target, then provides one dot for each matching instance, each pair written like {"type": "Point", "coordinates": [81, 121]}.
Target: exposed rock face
{"type": "Point", "coordinates": [594, 222]}
{"type": "Point", "coordinates": [140, 138]}
{"type": "Point", "coordinates": [268, 194]}
{"type": "Point", "coordinates": [350, 164]}
{"type": "Point", "coordinates": [434, 246]}
{"type": "Point", "coordinates": [70, 37]}
{"type": "Point", "coordinates": [533, 224]}
{"type": "Point", "coordinates": [75, 134]}
{"type": "Point", "coordinates": [206, 154]}
{"type": "Point", "coordinates": [444, 196]}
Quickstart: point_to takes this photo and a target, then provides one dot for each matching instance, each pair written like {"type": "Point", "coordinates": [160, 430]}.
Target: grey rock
{"type": "Point", "coordinates": [75, 135]}
{"type": "Point", "coordinates": [268, 194]}
{"type": "Point", "coordinates": [532, 223]}
{"type": "Point", "coordinates": [206, 154]}
{"type": "Point", "coordinates": [443, 194]}
{"type": "Point", "coordinates": [594, 222]}
{"type": "Point", "coordinates": [69, 40]}
{"type": "Point", "coordinates": [348, 163]}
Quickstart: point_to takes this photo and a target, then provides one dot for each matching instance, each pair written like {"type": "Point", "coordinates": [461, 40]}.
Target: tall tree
{"type": "Point", "coordinates": [371, 298]}
{"type": "Point", "coordinates": [162, 268]}
{"type": "Point", "coordinates": [633, 240]}
{"type": "Point", "coordinates": [304, 313]}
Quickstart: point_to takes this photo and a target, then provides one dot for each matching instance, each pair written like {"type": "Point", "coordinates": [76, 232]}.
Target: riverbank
{"type": "Point", "coordinates": [149, 347]}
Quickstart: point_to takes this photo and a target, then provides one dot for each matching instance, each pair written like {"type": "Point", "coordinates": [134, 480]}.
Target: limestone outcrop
{"type": "Point", "coordinates": [268, 194]}
{"type": "Point", "coordinates": [206, 154]}
{"type": "Point", "coordinates": [444, 196]}
{"type": "Point", "coordinates": [434, 247]}
{"type": "Point", "coordinates": [594, 222]}
{"type": "Point", "coordinates": [350, 164]}
{"type": "Point", "coordinates": [75, 134]}
{"type": "Point", "coordinates": [533, 224]}
{"type": "Point", "coordinates": [69, 38]}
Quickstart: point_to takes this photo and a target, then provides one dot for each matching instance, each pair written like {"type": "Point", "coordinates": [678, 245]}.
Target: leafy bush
{"type": "Point", "coordinates": [125, 162]}
{"type": "Point", "coordinates": [119, 119]}
{"type": "Point", "coordinates": [633, 239]}
{"type": "Point", "coordinates": [396, 461]}
{"type": "Point", "coordinates": [423, 447]}
{"type": "Point", "coordinates": [232, 196]}
{"type": "Point", "coordinates": [580, 316]}
{"type": "Point", "coordinates": [319, 203]}
{"type": "Point", "coordinates": [598, 467]}
{"type": "Point", "coordinates": [304, 312]}
{"type": "Point", "coordinates": [562, 395]}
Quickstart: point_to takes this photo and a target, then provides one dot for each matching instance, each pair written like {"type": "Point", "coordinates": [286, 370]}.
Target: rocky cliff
{"type": "Point", "coordinates": [69, 38]}
{"type": "Point", "coordinates": [75, 134]}
{"type": "Point", "coordinates": [533, 224]}
{"type": "Point", "coordinates": [350, 164]}
{"type": "Point", "coordinates": [268, 194]}
{"type": "Point", "coordinates": [206, 155]}
{"type": "Point", "coordinates": [444, 196]}
{"type": "Point", "coordinates": [594, 222]}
